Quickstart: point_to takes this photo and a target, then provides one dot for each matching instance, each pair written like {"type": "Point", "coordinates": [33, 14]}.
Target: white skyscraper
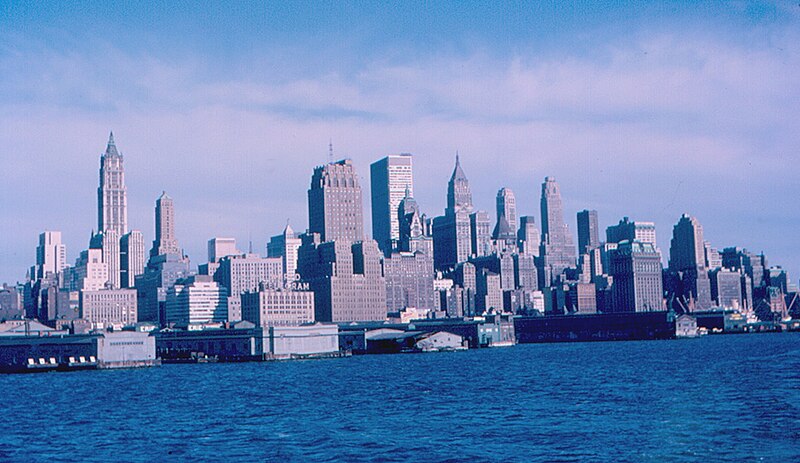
{"type": "Point", "coordinates": [390, 177]}
{"type": "Point", "coordinates": [132, 257]}
{"type": "Point", "coordinates": [112, 195]}
{"type": "Point", "coordinates": [51, 254]}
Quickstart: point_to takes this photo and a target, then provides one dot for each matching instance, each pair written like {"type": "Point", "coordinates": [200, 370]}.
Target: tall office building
{"type": "Point", "coordinates": [687, 250]}
{"type": "Point", "coordinates": [285, 246]}
{"type": "Point", "coordinates": [166, 265]}
{"type": "Point", "coordinates": [644, 232]}
{"type": "Point", "coordinates": [165, 242]}
{"type": "Point", "coordinates": [637, 271]}
{"type": "Point", "coordinates": [196, 300]}
{"type": "Point", "coordinates": [51, 254]}
{"type": "Point", "coordinates": [390, 178]}
{"type": "Point", "coordinates": [342, 269]}
{"type": "Point", "coordinates": [413, 236]}
{"type": "Point", "coordinates": [480, 233]}
{"type": "Point", "coordinates": [335, 208]}
{"type": "Point", "coordinates": [132, 257]}
{"type": "Point", "coordinates": [558, 249]}
{"type": "Point", "coordinates": [528, 236]}
{"type": "Point", "coordinates": [687, 265]}
{"type": "Point", "coordinates": [108, 241]}
{"type": "Point", "coordinates": [588, 231]}
{"type": "Point", "coordinates": [452, 236]}
{"type": "Point", "coordinates": [221, 247]}
{"type": "Point", "coordinates": [507, 207]}
{"type": "Point", "coordinates": [112, 195]}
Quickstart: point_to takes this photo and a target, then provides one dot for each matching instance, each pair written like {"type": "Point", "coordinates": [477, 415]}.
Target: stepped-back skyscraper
{"type": "Point", "coordinates": [334, 203]}
{"type": "Point", "coordinates": [112, 195]}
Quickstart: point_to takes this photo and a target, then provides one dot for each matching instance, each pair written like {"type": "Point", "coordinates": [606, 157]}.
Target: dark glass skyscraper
{"type": "Point", "coordinates": [588, 231]}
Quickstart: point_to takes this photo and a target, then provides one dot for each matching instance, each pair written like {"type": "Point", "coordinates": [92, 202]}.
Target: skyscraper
{"type": "Point", "coordinates": [132, 257]}
{"type": "Point", "coordinates": [452, 236]}
{"type": "Point", "coordinates": [342, 268]}
{"type": "Point", "coordinates": [413, 237]}
{"type": "Point", "coordinates": [165, 242]}
{"type": "Point", "coordinates": [644, 232]}
{"type": "Point", "coordinates": [112, 195]}
{"type": "Point", "coordinates": [51, 254]}
{"type": "Point", "coordinates": [335, 209]}
{"type": "Point", "coordinates": [588, 231]}
{"type": "Point", "coordinates": [636, 268]}
{"type": "Point", "coordinates": [558, 249]}
{"type": "Point", "coordinates": [507, 207]}
{"type": "Point", "coordinates": [686, 249]}
{"type": "Point", "coordinates": [390, 177]}
{"type": "Point", "coordinates": [687, 264]}
{"type": "Point", "coordinates": [528, 236]}
{"type": "Point", "coordinates": [285, 246]}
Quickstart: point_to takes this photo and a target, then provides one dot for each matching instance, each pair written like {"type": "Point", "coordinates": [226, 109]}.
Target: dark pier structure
{"type": "Point", "coordinates": [595, 327]}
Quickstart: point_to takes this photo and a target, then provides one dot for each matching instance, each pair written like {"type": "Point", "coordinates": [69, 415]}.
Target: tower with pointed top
{"type": "Point", "coordinates": [112, 195]}
{"type": "Point", "coordinates": [459, 195]}
{"type": "Point", "coordinates": [390, 177]}
{"type": "Point", "coordinates": [453, 232]}
{"type": "Point", "coordinates": [285, 246]}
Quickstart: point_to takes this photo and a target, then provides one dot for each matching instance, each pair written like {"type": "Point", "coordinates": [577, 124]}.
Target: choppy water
{"type": "Point", "coordinates": [718, 398]}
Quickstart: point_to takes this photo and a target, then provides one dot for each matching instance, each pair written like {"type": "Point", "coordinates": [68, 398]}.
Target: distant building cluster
{"type": "Point", "coordinates": [462, 263]}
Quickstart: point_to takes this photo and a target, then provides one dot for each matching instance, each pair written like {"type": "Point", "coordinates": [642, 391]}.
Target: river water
{"type": "Point", "coordinates": [716, 398]}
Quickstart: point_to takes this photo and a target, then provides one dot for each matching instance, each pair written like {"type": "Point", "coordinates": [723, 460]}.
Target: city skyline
{"type": "Point", "coordinates": [664, 121]}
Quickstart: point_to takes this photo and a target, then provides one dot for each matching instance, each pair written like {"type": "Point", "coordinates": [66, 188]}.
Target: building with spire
{"type": "Point", "coordinates": [112, 195]}
{"type": "Point", "coordinates": [285, 246]}
{"type": "Point", "coordinates": [557, 250]}
{"type": "Point", "coordinates": [452, 232]}
{"type": "Point", "coordinates": [390, 177]}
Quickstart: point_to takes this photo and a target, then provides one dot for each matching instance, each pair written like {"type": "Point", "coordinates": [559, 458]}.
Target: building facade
{"type": "Point", "coordinates": [390, 179]}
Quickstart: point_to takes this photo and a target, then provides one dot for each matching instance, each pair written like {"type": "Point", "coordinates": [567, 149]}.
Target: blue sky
{"type": "Point", "coordinates": [647, 111]}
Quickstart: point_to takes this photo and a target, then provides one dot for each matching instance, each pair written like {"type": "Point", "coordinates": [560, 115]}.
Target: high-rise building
{"type": "Point", "coordinates": [413, 235]}
{"type": "Point", "coordinates": [285, 246]}
{"type": "Point", "coordinates": [726, 288]}
{"type": "Point", "coordinates": [335, 209]}
{"type": "Point", "coordinates": [588, 231]}
{"type": "Point", "coordinates": [347, 279]}
{"type": "Point", "coordinates": [108, 306]}
{"type": "Point", "coordinates": [112, 195]}
{"type": "Point", "coordinates": [221, 247]}
{"type": "Point", "coordinates": [344, 271]}
{"type": "Point", "coordinates": [160, 274]}
{"type": "Point", "coordinates": [452, 232]}
{"type": "Point", "coordinates": [390, 179]}
{"type": "Point", "coordinates": [528, 236]}
{"type": "Point", "coordinates": [51, 254]}
{"type": "Point", "coordinates": [637, 272]}
{"type": "Point", "coordinates": [489, 293]}
{"type": "Point", "coordinates": [644, 232]}
{"type": "Point", "coordinates": [558, 249]}
{"type": "Point", "coordinates": [165, 242]}
{"type": "Point", "coordinates": [480, 233]}
{"type": "Point", "coordinates": [409, 281]}
{"type": "Point", "coordinates": [247, 272]}
{"type": "Point", "coordinates": [459, 194]}
{"type": "Point", "coordinates": [196, 300]}
{"type": "Point", "coordinates": [132, 257]}
{"type": "Point", "coordinates": [507, 207]}
{"type": "Point", "coordinates": [687, 265]}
